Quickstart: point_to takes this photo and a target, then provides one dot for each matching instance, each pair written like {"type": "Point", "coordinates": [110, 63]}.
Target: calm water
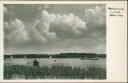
{"type": "Point", "coordinates": [74, 62]}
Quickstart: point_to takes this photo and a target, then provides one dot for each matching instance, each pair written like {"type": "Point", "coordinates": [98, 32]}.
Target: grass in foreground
{"type": "Point", "coordinates": [53, 72]}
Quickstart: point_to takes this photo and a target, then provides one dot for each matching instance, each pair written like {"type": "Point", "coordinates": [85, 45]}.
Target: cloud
{"type": "Point", "coordinates": [51, 27]}
{"type": "Point", "coordinates": [96, 21]}
{"type": "Point", "coordinates": [40, 32]}
{"type": "Point", "coordinates": [50, 30]}
{"type": "Point", "coordinates": [45, 6]}
{"type": "Point", "coordinates": [15, 32]}
{"type": "Point", "coordinates": [96, 16]}
{"type": "Point", "coordinates": [64, 26]}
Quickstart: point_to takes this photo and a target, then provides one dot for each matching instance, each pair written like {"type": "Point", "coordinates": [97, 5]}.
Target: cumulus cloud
{"type": "Point", "coordinates": [63, 26]}
{"type": "Point", "coordinates": [49, 30]}
{"type": "Point", "coordinates": [15, 31]}
{"type": "Point", "coordinates": [46, 6]}
{"type": "Point", "coordinates": [54, 28]}
{"type": "Point", "coordinates": [51, 27]}
{"type": "Point", "coordinates": [96, 21]}
{"type": "Point", "coordinates": [40, 32]}
{"type": "Point", "coordinates": [96, 16]}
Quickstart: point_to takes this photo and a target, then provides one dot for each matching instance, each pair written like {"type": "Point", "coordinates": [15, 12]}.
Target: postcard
{"type": "Point", "coordinates": [63, 41]}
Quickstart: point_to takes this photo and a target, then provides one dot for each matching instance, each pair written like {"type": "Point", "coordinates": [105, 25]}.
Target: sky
{"type": "Point", "coordinates": [54, 28]}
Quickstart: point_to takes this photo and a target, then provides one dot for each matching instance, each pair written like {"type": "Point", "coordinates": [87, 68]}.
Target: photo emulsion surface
{"type": "Point", "coordinates": [55, 41]}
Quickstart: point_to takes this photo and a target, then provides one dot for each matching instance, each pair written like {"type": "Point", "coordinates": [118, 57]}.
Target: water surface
{"type": "Point", "coordinates": [74, 62]}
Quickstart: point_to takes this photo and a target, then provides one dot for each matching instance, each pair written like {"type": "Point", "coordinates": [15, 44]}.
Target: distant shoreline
{"type": "Point", "coordinates": [61, 55]}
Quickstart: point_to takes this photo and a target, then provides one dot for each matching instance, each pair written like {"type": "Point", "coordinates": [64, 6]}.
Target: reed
{"type": "Point", "coordinates": [53, 72]}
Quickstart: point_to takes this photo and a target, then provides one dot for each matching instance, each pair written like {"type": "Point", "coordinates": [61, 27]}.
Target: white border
{"type": "Point", "coordinates": [116, 41]}
{"type": "Point", "coordinates": [1, 42]}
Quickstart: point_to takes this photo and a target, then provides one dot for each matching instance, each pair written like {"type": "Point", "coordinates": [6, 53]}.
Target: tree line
{"type": "Point", "coordinates": [61, 55]}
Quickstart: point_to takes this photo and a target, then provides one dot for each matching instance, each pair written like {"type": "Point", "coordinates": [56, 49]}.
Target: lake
{"type": "Point", "coordinates": [74, 62]}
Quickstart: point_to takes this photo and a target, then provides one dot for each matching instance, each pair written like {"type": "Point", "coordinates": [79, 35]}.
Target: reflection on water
{"type": "Point", "coordinates": [74, 62]}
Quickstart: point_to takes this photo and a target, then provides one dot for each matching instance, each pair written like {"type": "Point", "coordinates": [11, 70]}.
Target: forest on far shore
{"type": "Point", "coordinates": [61, 55]}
